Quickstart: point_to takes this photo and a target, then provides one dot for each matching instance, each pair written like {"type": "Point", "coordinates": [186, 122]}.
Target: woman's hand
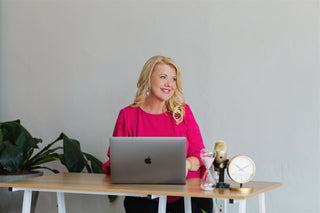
{"type": "Point", "coordinates": [188, 165]}
{"type": "Point", "coordinates": [192, 164]}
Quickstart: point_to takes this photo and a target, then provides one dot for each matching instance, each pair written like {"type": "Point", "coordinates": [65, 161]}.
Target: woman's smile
{"type": "Point", "coordinates": [166, 91]}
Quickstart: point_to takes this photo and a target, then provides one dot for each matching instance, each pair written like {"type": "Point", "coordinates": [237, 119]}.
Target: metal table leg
{"type": "Point", "coordinates": [187, 204]}
{"type": "Point", "coordinates": [27, 201]}
{"type": "Point", "coordinates": [262, 203]}
{"type": "Point", "coordinates": [242, 206]}
{"type": "Point", "coordinates": [162, 204]}
{"type": "Point", "coordinates": [61, 202]}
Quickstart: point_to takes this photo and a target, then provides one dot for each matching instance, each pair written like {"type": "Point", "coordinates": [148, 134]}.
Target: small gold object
{"type": "Point", "coordinates": [242, 190]}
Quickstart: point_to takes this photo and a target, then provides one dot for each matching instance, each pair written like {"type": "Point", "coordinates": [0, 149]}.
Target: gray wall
{"type": "Point", "coordinates": [250, 74]}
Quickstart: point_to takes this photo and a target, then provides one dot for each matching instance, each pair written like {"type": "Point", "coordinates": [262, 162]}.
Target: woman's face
{"type": "Point", "coordinates": [163, 82]}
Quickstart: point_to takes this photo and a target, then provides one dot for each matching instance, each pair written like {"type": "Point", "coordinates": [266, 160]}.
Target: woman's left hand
{"type": "Point", "coordinates": [192, 164]}
{"type": "Point", "coordinates": [188, 166]}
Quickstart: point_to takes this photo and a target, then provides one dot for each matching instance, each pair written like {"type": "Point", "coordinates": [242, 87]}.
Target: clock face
{"type": "Point", "coordinates": [241, 169]}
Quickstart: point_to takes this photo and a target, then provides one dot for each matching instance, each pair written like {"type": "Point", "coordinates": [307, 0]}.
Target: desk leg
{"type": "Point", "coordinates": [162, 204]}
{"type": "Point", "coordinates": [262, 203]}
{"type": "Point", "coordinates": [27, 201]}
{"type": "Point", "coordinates": [187, 204]}
{"type": "Point", "coordinates": [61, 202]}
{"type": "Point", "coordinates": [242, 206]}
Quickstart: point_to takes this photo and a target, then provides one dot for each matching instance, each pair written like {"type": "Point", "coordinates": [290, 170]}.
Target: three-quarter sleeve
{"type": "Point", "coordinates": [193, 134]}
{"type": "Point", "coordinates": [194, 137]}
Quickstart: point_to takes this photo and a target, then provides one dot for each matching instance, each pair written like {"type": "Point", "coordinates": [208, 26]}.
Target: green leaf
{"type": "Point", "coordinates": [25, 141]}
{"type": "Point", "coordinates": [14, 132]}
{"type": "Point", "coordinates": [46, 159]}
{"type": "Point", "coordinates": [11, 156]}
{"type": "Point", "coordinates": [73, 158]}
{"type": "Point", "coordinates": [10, 130]}
{"type": "Point", "coordinates": [42, 155]}
{"type": "Point", "coordinates": [37, 140]}
{"type": "Point", "coordinates": [46, 148]}
{"type": "Point", "coordinates": [44, 167]}
{"type": "Point", "coordinates": [96, 164]}
{"type": "Point", "coordinates": [89, 170]}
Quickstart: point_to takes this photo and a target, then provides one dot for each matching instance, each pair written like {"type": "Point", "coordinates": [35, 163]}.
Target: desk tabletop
{"type": "Point", "coordinates": [102, 183]}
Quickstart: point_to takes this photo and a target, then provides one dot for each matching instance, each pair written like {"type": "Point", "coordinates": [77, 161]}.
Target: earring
{"type": "Point", "coordinates": [148, 91]}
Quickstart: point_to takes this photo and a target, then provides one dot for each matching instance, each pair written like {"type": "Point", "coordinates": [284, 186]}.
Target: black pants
{"type": "Point", "coordinates": [143, 205]}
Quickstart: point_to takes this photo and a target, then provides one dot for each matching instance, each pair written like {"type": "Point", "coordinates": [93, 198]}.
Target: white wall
{"type": "Point", "coordinates": [250, 74]}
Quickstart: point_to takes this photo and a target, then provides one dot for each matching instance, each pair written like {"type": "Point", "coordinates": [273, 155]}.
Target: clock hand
{"type": "Point", "coordinates": [238, 167]}
{"type": "Point", "coordinates": [244, 167]}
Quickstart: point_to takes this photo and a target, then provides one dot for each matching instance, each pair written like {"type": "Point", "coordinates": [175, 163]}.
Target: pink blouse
{"type": "Point", "coordinates": [134, 122]}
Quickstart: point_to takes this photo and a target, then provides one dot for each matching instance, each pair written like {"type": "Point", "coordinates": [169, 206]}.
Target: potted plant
{"type": "Point", "coordinates": [19, 159]}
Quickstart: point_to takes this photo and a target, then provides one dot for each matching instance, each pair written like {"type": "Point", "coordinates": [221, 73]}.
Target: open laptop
{"type": "Point", "coordinates": [149, 160]}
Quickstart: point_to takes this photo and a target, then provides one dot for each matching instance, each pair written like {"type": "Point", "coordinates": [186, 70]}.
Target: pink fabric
{"type": "Point", "coordinates": [134, 122]}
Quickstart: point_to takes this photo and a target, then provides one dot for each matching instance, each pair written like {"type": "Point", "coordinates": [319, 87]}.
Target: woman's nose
{"type": "Point", "coordinates": [168, 83]}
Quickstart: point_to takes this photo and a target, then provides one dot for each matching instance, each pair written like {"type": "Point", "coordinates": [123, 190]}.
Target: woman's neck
{"type": "Point", "coordinates": [153, 107]}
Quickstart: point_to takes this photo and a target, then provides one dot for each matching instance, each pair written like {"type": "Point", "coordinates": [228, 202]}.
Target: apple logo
{"type": "Point", "coordinates": [147, 160]}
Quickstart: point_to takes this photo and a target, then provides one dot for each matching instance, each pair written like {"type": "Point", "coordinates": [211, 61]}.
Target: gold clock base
{"type": "Point", "coordinates": [242, 190]}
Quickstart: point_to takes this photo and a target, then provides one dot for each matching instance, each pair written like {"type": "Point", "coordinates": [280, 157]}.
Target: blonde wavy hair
{"type": "Point", "coordinates": [176, 104]}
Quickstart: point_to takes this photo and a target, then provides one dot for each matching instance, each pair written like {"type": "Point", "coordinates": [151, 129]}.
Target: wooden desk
{"type": "Point", "coordinates": [84, 183]}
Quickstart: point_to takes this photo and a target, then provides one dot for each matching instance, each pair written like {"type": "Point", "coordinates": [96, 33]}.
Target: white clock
{"type": "Point", "coordinates": [241, 169]}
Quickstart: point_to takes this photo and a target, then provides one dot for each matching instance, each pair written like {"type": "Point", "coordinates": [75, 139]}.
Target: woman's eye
{"type": "Point", "coordinates": [163, 77]}
{"type": "Point", "coordinates": [174, 79]}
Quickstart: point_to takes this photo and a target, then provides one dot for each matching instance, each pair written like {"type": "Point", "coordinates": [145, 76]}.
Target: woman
{"type": "Point", "coordinates": [159, 109]}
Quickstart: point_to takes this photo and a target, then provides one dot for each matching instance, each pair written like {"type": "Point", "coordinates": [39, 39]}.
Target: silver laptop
{"type": "Point", "coordinates": [148, 160]}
